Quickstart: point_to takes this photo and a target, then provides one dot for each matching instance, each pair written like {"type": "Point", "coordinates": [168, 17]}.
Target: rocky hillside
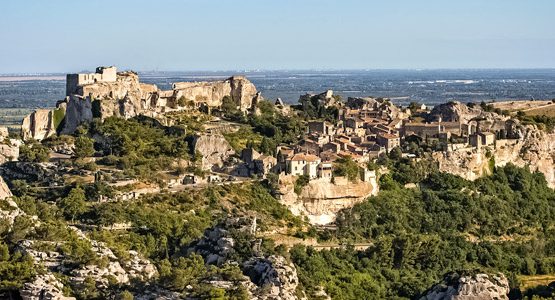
{"type": "Point", "coordinates": [528, 146]}
{"type": "Point", "coordinates": [128, 97]}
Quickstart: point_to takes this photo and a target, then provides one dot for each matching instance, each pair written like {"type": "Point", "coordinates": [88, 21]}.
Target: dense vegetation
{"type": "Point", "coordinates": [160, 227]}
{"type": "Point", "coordinates": [140, 146]}
{"type": "Point", "coordinates": [504, 222]}
{"type": "Point", "coordinates": [267, 129]}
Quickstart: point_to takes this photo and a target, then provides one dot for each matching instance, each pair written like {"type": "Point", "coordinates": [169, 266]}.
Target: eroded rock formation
{"type": "Point", "coordinates": [276, 277]}
{"type": "Point", "coordinates": [45, 286]}
{"type": "Point", "coordinates": [214, 149]}
{"type": "Point", "coordinates": [320, 200]}
{"type": "Point", "coordinates": [475, 287]}
{"type": "Point", "coordinates": [264, 277]}
{"type": "Point", "coordinates": [533, 149]}
{"type": "Point", "coordinates": [41, 123]}
{"type": "Point", "coordinates": [126, 97]}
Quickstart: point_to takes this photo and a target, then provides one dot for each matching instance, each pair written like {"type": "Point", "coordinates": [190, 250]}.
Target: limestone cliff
{"type": "Point", "coordinates": [475, 287]}
{"type": "Point", "coordinates": [533, 149]}
{"type": "Point", "coordinates": [475, 116]}
{"type": "Point", "coordinates": [320, 200]}
{"type": "Point", "coordinates": [239, 88]}
{"type": "Point", "coordinates": [42, 123]}
{"type": "Point", "coordinates": [214, 149]}
{"type": "Point", "coordinates": [126, 97]}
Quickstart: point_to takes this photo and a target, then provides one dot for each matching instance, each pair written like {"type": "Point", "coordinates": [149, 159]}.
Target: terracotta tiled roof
{"type": "Point", "coordinates": [305, 157]}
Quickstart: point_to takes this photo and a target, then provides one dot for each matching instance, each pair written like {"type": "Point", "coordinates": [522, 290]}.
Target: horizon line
{"type": "Point", "coordinates": [293, 70]}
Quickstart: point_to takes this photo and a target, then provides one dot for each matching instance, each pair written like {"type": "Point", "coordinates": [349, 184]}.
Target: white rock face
{"type": "Point", "coordinates": [321, 200]}
{"type": "Point", "coordinates": [476, 287]}
{"type": "Point", "coordinates": [38, 125]}
{"type": "Point", "coordinates": [4, 190]}
{"type": "Point", "coordinates": [44, 287]}
{"type": "Point", "coordinates": [78, 111]}
{"type": "Point", "coordinates": [214, 149]}
{"type": "Point", "coordinates": [9, 150]}
{"type": "Point", "coordinates": [275, 277]}
{"type": "Point", "coordinates": [533, 149]}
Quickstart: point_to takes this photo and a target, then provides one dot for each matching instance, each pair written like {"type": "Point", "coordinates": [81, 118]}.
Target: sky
{"type": "Point", "coordinates": [38, 36]}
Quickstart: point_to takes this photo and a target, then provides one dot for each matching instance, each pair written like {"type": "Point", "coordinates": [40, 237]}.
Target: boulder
{"type": "Point", "coordinates": [214, 148]}
{"type": "Point", "coordinates": [469, 287]}
{"type": "Point", "coordinates": [9, 150]}
{"type": "Point", "coordinates": [274, 276]}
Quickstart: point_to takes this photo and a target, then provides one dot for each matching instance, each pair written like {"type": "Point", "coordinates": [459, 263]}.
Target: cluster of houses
{"type": "Point", "coordinates": [366, 128]}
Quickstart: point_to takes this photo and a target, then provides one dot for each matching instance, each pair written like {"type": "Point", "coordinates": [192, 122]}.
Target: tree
{"type": "Point", "coordinates": [33, 152]}
{"type": "Point", "coordinates": [125, 295]}
{"type": "Point", "coordinates": [414, 106]}
{"type": "Point", "coordinates": [346, 166]}
{"type": "Point", "coordinates": [74, 203]}
{"type": "Point", "coordinates": [84, 146]}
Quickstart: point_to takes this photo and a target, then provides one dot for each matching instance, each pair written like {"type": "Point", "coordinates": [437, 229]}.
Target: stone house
{"type": "Point", "coordinates": [303, 164]}
{"type": "Point", "coordinates": [481, 139]}
{"type": "Point", "coordinates": [265, 164]}
{"type": "Point", "coordinates": [387, 140]}
{"type": "Point", "coordinates": [320, 127]}
{"type": "Point", "coordinates": [325, 170]}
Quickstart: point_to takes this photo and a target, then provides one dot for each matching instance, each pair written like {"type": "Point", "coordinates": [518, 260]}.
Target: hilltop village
{"type": "Point", "coordinates": [210, 191]}
{"type": "Point", "coordinates": [459, 138]}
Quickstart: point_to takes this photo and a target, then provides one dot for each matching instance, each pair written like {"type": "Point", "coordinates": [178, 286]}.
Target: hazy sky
{"type": "Point", "coordinates": [69, 35]}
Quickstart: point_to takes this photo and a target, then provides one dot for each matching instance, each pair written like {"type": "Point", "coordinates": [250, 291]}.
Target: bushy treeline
{"type": "Point", "coordinates": [504, 222]}
{"type": "Point", "coordinates": [272, 126]}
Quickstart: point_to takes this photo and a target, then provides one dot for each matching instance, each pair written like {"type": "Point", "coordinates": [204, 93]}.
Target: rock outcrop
{"type": "Point", "coordinates": [136, 267]}
{"type": "Point", "coordinates": [320, 200]}
{"type": "Point", "coordinates": [533, 149]}
{"type": "Point", "coordinates": [126, 97]}
{"type": "Point", "coordinates": [276, 277]}
{"type": "Point", "coordinates": [9, 150]}
{"type": "Point", "coordinates": [4, 190]}
{"type": "Point", "coordinates": [42, 124]}
{"type": "Point", "coordinates": [45, 286]}
{"type": "Point", "coordinates": [271, 277]}
{"type": "Point", "coordinates": [215, 247]}
{"type": "Point", "coordinates": [43, 173]}
{"type": "Point", "coordinates": [238, 88]}
{"type": "Point", "coordinates": [8, 208]}
{"type": "Point", "coordinates": [214, 148]}
{"type": "Point", "coordinates": [459, 112]}
{"type": "Point", "coordinates": [475, 287]}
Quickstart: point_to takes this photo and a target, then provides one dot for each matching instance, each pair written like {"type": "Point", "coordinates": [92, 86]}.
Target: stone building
{"type": "Point", "coordinates": [102, 74]}
{"type": "Point", "coordinates": [389, 141]}
{"type": "Point", "coordinates": [303, 164]}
